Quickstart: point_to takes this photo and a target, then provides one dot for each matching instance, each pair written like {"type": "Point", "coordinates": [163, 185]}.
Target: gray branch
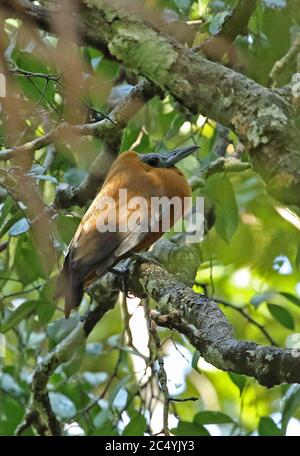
{"type": "Point", "coordinates": [178, 307]}
{"type": "Point", "coordinates": [201, 320]}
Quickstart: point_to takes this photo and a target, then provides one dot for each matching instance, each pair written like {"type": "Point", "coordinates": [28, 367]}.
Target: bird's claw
{"type": "Point", "coordinates": [120, 271]}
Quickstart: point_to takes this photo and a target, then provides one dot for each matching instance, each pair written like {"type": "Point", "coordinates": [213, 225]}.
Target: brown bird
{"type": "Point", "coordinates": [95, 247]}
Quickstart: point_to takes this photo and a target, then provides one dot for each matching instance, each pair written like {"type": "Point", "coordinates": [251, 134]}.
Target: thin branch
{"type": "Point", "coordinates": [162, 377]}
{"type": "Point", "coordinates": [251, 320]}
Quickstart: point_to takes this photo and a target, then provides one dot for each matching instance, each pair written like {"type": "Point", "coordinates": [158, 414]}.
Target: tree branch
{"type": "Point", "coordinates": [178, 307]}
{"type": "Point", "coordinates": [202, 322]}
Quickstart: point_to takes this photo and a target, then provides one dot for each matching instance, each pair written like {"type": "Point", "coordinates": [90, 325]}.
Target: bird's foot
{"type": "Point", "coordinates": [120, 271]}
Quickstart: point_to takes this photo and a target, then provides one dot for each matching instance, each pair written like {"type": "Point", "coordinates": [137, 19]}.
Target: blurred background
{"type": "Point", "coordinates": [249, 258]}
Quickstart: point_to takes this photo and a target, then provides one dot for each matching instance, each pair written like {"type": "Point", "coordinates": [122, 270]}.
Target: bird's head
{"type": "Point", "coordinates": [168, 160]}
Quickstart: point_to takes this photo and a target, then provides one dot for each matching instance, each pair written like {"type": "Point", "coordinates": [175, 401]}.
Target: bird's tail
{"type": "Point", "coordinates": [68, 287]}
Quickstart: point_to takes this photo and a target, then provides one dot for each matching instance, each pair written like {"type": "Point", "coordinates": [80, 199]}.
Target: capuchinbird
{"type": "Point", "coordinates": [99, 244]}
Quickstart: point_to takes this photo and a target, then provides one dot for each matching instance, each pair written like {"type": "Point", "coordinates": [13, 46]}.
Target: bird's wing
{"type": "Point", "coordinates": [93, 252]}
{"type": "Point", "coordinates": [92, 249]}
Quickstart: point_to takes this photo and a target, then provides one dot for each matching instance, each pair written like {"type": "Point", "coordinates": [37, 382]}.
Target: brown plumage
{"type": "Point", "coordinates": [91, 252]}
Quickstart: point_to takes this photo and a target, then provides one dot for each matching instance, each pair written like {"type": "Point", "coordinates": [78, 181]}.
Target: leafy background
{"type": "Point", "coordinates": [250, 259]}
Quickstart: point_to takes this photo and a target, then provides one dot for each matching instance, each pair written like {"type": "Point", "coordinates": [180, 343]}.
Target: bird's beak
{"type": "Point", "coordinates": [178, 154]}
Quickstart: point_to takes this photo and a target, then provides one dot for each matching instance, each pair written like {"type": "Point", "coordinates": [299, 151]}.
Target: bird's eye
{"type": "Point", "coordinates": [153, 161]}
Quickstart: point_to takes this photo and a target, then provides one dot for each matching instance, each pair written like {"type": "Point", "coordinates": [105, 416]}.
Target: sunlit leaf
{"type": "Point", "coordinates": [219, 188]}
{"type": "Point", "coordinates": [292, 298]}
{"type": "Point", "coordinates": [208, 417]}
{"type": "Point", "coordinates": [136, 426]}
{"type": "Point", "coordinates": [195, 359]}
{"type": "Point", "coordinates": [185, 428]}
{"type": "Point", "coordinates": [115, 390]}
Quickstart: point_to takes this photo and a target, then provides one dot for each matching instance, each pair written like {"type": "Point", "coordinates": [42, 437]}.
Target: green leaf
{"type": "Point", "coordinates": [290, 297]}
{"type": "Point", "coordinates": [12, 413]}
{"type": "Point", "coordinates": [267, 426]}
{"type": "Point", "coordinates": [108, 429]}
{"type": "Point", "coordinates": [61, 405]}
{"type": "Point", "coordinates": [67, 226]}
{"type": "Point", "coordinates": [101, 418]}
{"type": "Point", "coordinates": [45, 311]}
{"type": "Point", "coordinates": [182, 4]}
{"type": "Point", "coordinates": [290, 405]}
{"type": "Point", "coordinates": [185, 428]}
{"type": "Point", "coordinates": [217, 21]}
{"type": "Point", "coordinates": [297, 259]}
{"type": "Point", "coordinates": [238, 380]}
{"type": "Point", "coordinates": [5, 208]}
{"type": "Point", "coordinates": [21, 312]}
{"type": "Point", "coordinates": [219, 188]}
{"type": "Point", "coordinates": [14, 218]}
{"type": "Point", "coordinates": [136, 426]}
{"type": "Point", "coordinates": [282, 315]}
{"type": "Point", "coordinates": [39, 90]}
{"type": "Point", "coordinates": [114, 391]}
{"type": "Point", "coordinates": [212, 418]}
{"type": "Point", "coordinates": [28, 262]}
